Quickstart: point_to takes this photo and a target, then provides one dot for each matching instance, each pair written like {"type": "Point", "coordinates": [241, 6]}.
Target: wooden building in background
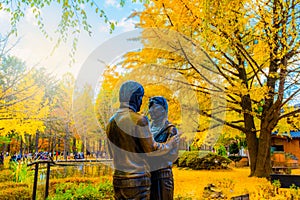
{"type": "Point", "coordinates": [289, 144]}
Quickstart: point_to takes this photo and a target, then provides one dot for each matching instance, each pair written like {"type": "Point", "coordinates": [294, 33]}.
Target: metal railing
{"type": "Point", "coordinates": [36, 172]}
{"type": "Point", "coordinates": [50, 162]}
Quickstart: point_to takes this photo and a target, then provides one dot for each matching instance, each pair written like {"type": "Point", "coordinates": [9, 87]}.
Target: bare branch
{"type": "Point", "coordinates": [289, 114]}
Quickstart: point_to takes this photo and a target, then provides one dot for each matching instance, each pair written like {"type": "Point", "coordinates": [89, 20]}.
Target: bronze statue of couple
{"type": "Point", "coordinates": [142, 150]}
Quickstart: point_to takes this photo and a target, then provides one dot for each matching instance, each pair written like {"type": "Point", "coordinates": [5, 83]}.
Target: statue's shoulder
{"type": "Point", "coordinates": [143, 121]}
{"type": "Point", "coordinates": [140, 120]}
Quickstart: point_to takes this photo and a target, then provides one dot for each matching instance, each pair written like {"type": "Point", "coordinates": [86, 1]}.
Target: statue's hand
{"type": "Point", "coordinates": [174, 140]}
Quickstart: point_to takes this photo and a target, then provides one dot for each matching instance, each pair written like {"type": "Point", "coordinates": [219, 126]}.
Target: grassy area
{"type": "Point", "coordinates": [190, 184]}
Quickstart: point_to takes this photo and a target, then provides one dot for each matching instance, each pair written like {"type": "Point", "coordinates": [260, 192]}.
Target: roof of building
{"type": "Point", "coordinates": [293, 134]}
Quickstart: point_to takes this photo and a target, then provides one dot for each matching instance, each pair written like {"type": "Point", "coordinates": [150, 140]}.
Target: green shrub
{"type": "Point", "coordinates": [6, 175]}
{"type": "Point", "coordinates": [222, 151]}
{"type": "Point", "coordinates": [74, 180]}
{"type": "Point", "coordinates": [11, 184]}
{"type": "Point", "coordinates": [235, 158]}
{"type": "Point", "coordinates": [21, 172]}
{"type": "Point", "coordinates": [187, 158]}
{"type": "Point", "coordinates": [295, 191]}
{"type": "Point", "coordinates": [210, 161]}
{"type": "Point", "coordinates": [273, 191]}
{"type": "Point", "coordinates": [83, 191]}
{"type": "Point", "coordinates": [16, 193]}
{"type": "Point", "coordinates": [234, 148]}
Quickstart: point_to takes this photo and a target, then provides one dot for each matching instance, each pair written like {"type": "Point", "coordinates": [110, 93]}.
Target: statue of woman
{"type": "Point", "coordinates": [162, 183]}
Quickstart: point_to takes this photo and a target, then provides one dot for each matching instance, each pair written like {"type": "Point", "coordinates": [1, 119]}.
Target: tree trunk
{"type": "Point", "coordinates": [65, 148]}
{"type": "Point", "coordinates": [58, 145]}
{"type": "Point", "coordinates": [74, 145]}
{"type": "Point", "coordinates": [94, 144]}
{"type": "Point", "coordinates": [66, 142]}
{"type": "Point", "coordinates": [57, 150]}
{"type": "Point", "coordinates": [21, 146]}
{"type": "Point", "coordinates": [49, 140]}
{"type": "Point", "coordinates": [99, 153]}
{"type": "Point", "coordinates": [259, 148]}
{"type": "Point", "coordinates": [5, 147]}
{"type": "Point", "coordinates": [8, 148]}
{"type": "Point", "coordinates": [83, 145]}
{"type": "Point", "coordinates": [53, 143]}
{"type": "Point", "coordinates": [252, 141]}
{"type": "Point", "coordinates": [37, 141]}
{"type": "Point", "coordinates": [29, 144]}
{"type": "Point", "coordinates": [263, 160]}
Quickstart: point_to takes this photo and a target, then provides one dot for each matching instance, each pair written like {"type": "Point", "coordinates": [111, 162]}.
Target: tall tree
{"type": "Point", "coordinates": [63, 110]}
{"type": "Point", "coordinates": [252, 46]}
{"type": "Point", "coordinates": [85, 117]}
{"type": "Point", "coordinates": [106, 102]}
{"type": "Point", "coordinates": [52, 121]}
{"type": "Point", "coordinates": [23, 107]}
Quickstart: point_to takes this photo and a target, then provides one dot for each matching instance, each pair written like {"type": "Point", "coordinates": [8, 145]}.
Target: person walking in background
{"type": "Point", "coordinates": [130, 142]}
{"type": "Point", "coordinates": [162, 183]}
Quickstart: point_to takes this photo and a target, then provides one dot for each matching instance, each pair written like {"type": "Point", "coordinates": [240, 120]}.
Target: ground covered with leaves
{"type": "Point", "coordinates": [190, 184]}
{"type": "Point", "coordinates": [16, 183]}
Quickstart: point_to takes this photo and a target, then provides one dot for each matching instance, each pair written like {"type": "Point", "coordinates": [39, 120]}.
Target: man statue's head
{"type": "Point", "coordinates": [131, 95]}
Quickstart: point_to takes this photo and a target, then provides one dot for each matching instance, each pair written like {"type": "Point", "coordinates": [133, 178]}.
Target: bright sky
{"type": "Point", "coordinates": [35, 49]}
